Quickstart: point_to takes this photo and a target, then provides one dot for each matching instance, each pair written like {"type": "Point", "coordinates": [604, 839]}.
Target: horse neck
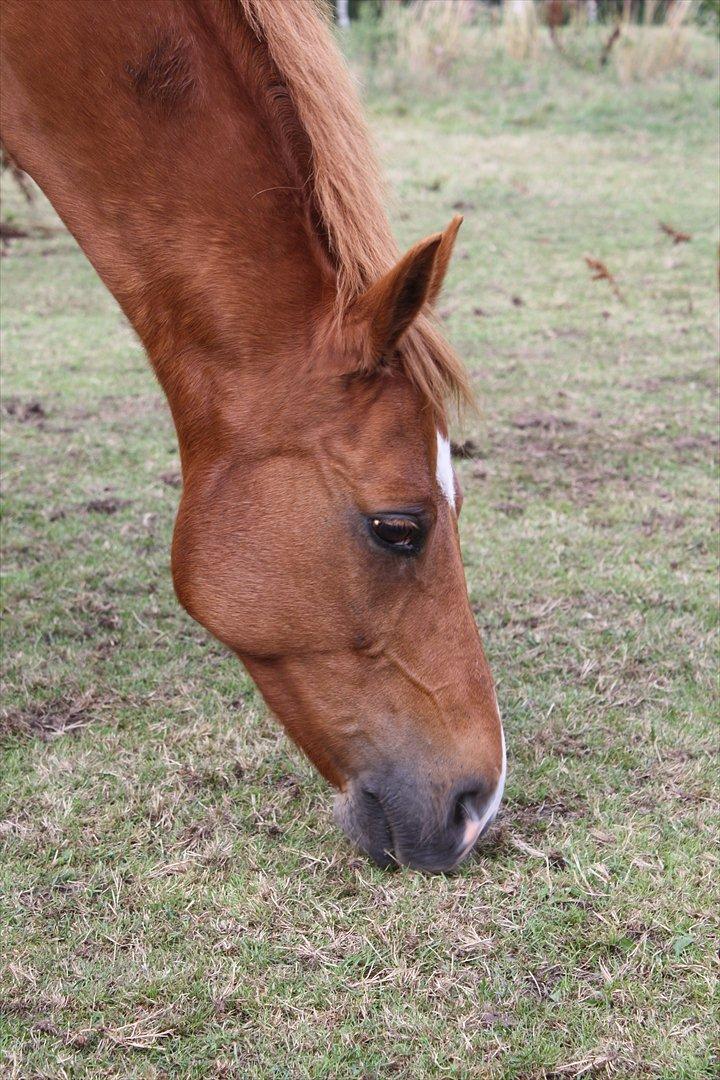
{"type": "Point", "coordinates": [146, 136]}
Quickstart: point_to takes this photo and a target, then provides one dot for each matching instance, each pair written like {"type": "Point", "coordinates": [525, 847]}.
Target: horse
{"type": "Point", "coordinates": [212, 161]}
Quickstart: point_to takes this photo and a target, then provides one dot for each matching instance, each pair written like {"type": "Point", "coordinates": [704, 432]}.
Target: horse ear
{"type": "Point", "coordinates": [442, 259]}
{"type": "Point", "coordinates": [386, 310]}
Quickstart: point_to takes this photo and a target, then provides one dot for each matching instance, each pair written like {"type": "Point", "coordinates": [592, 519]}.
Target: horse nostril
{"type": "Point", "coordinates": [468, 806]}
{"type": "Point", "coordinates": [472, 811]}
{"type": "Point", "coordinates": [459, 814]}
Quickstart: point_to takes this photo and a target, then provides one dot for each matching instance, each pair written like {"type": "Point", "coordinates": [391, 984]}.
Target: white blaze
{"type": "Point", "coordinates": [474, 826]}
{"type": "Point", "coordinates": [444, 470]}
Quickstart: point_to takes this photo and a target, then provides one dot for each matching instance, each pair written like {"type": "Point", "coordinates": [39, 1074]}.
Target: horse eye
{"type": "Point", "coordinates": [402, 534]}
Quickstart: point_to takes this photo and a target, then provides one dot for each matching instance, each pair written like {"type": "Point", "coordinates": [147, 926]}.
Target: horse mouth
{"type": "Point", "coordinates": [363, 820]}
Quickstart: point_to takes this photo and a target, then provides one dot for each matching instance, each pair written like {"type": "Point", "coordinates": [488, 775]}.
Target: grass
{"type": "Point", "coordinates": [174, 898]}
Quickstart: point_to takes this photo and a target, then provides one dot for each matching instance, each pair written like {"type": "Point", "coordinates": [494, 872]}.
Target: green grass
{"type": "Point", "coordinates": [174, 898]}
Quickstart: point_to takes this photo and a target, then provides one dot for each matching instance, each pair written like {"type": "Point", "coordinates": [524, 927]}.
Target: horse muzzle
{"type": "Point", "coordinates": [400, 820]}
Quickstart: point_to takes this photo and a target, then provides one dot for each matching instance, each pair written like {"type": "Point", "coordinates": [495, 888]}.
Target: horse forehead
{"type": "Point", "coordinates": [387, 435]}
{"type": "Point", "coordinates": [404, 466]}
{"type": "Point", "coordinates": [396, 438]}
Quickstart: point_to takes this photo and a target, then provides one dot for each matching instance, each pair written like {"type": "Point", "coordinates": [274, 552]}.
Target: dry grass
{"type": "Point", "coordinates": [520, 29]}
{"type": "Point", "coordinates": [432, 37]}
{"type": "Point", "coordinates": [456, 44]}
{"type": "Point", "coordinates": [647, 51]}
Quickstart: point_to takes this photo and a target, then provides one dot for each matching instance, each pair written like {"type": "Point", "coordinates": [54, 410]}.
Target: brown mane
{"type": "Point", "coordinates": [311, 91]}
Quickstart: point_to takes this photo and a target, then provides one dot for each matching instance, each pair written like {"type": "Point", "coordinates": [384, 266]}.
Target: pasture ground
{"type": "Point", "coordinates": [174, 898]}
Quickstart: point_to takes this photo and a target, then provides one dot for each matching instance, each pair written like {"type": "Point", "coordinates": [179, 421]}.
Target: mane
{"type": "Point", "coordinates": [317, 111]}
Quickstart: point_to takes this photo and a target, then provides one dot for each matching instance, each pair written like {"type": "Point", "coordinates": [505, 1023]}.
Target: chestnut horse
{"type": "Point", "coordinates": [211, 160]}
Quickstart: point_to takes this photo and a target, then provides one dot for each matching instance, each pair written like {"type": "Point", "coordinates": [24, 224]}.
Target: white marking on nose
{"type": "Point", "coordinates": [474, 826]}
{"type": "Point", "coordinates": [472, 831]}
{"type": "Point", "coordinates": [492, 807]}
{"type": "Point", "coordinates": [444, 470]}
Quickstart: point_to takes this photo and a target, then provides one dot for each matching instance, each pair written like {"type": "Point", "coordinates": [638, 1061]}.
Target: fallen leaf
{"type": "Point", "coordinates": [600, 272]}
{"type": "Point", "coordinates": [675, 235]}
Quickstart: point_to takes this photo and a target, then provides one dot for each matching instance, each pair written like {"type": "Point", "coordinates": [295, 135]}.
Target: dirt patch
{"type": "Point", "coordinates": [517, 622]}
{"type": "Point", "coordinates": [25, 412]}
{"type": "Point", "coordinates": [200, 779]}
{"type": "Point", "coordinates": [467, 449]}
{"type": "Point", "coordinates": [49, 719]}
{"type": "Point", "coordinates": [657, 522]}
{"type": "Point", "coordinates": [701, 377]}
{"type": "Point", "coordinates": [106, 505]}
{"type": "Point", "coordinates": [543, 420]}
{"type": "Point", "coordinates": [510, 509]}
{"type": "Point", "coordinates": [534, 815]}
{"type": "Point", "coordinates": [58, 513]}
{"type": "Point", "coordinates": [688, 448]}
{"type": "Point", "coordinates": [560, 743]}
{"type": "Point", "coordinates": [172, 478]}
{"type": "Point", "coordinates": [96, 614]}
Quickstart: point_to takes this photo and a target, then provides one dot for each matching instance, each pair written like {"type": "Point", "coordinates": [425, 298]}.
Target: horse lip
{"type": "Point", "coordinates": [372, 800]}
{"type": "Point", "coordinates": [362, 817]}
